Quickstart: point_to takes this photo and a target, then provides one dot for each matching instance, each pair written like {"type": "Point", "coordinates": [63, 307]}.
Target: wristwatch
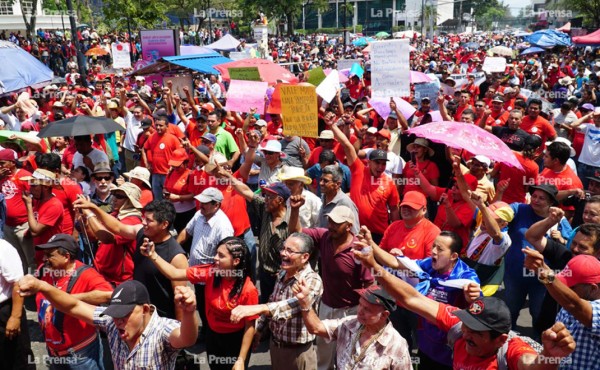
{"type": "Point", "coordinates": [546, 277]}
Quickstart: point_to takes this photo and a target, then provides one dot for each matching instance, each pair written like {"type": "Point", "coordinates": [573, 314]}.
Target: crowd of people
{"type": "Point", "coordinates": [364, 248]}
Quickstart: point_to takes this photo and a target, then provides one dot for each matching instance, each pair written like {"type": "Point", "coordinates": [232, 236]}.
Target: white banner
{"type": "Point", "coordinates": [327, 89]}
{"type": "Point", "coordinates": [120, 55]}
{"type": "Point", "coordinates": [494, 64]}
{"type": "Point", "coordinates": [390, 75]}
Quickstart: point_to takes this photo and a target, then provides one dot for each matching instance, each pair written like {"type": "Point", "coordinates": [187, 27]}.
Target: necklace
{"type": "Point", "coordinates": [358, 357]}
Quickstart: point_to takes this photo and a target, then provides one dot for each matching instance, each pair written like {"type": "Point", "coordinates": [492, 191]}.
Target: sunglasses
{"type": "Point", "coordinates": [120, 196]}
{"type": "Point", "coordinates": [269, 153]}
{"type": "Point", "coordinates": [105, 178]}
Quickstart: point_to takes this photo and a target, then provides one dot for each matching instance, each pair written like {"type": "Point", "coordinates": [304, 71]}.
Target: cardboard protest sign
{"type": "Point", "coordinates": [328, 88]}
{"type": "Point", "coordinates": [316, 76]}
{"type": "Point", "coordinates": [494, 64]}
{"type": "Point", "coordinates": [244, 73]}
{"type": "Point", "coordinates": [243, 96]}
{"type": "Point", "coordinates": [299, 110]}
{"type": "Point", "coordinates": [390, 74]}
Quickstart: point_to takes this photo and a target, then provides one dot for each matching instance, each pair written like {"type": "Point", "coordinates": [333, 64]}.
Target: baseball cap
{"type": "Point", "coordinates": [548, 189]}
{"type": "Point", "coordinates": [486, 313]}
{"type": "Point", "coordinates": [372, 130]}
{"type": "Point", "coordinates": [378, 155]}
{"type": "Point", "coordinates": [581, 269]}
{"type": "Point", "coordinates": [393, 115]}
{"type": "Point", "coordinates": [125, 297]}
{"type": "Point", "coordinates": [483, 159]}
{"type": "Point", "coordinates": [377, 295]}
{"type": "Point", "coordinates": [210, 137]}
{"type": "Point", "coordinates": [61, 241]}
{"type": "Point", "coordinates": [563, 140]}
{"type": "Point", "coordinates": [278, 188]}
{"type": "Point", "coordinates": [210, 195]}
{"type": "Point", "coordinates": [260, 122]}
{"type": "Point", "coordinates": [472, 181]}
{"type": "Point", "coordinates": [502, 211]}
{"type": "Point", "coordinates": [498, 98]}
{"type": "Point", "coordinates": [133, 193]}
{"type": "Point", "coordinates": [385, 133]}
{"type": "Point", "coordinates": [587, 106]}
{"type": "Point", "coordinates": [44, 177]}
{"type": "Point", "coordinates": [112, 105]}
{"type": "Point", "coordinates": [208, 106]}
{"type": "Point", "coordinates": [8, 155]}
{"type": "Point", "coordinates": [341, 214]}
{"type": "Point", "coordinates": [414, 200]}
{"type": "Point", "coordinates": [178, 156]}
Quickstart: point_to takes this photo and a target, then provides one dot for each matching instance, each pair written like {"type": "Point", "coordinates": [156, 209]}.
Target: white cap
{"type": "Point", "coordinates": [483, 159]}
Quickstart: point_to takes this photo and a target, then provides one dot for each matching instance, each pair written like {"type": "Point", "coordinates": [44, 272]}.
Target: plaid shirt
{"type": "Point", "coordinates": [587, 339]}
{"type": "Point", "coordinates": [285, 319]}
{"type": "Point", "coordinates": [153, 351]}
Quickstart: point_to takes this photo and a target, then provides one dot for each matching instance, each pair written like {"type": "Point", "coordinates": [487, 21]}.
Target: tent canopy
{"type": "Point", "coordinates": [565, 28]}
{"type": "Point", "coordinates": [202, 63]}
{"type": "Point", "coordinates": [225, 43]}
{"type": "Point", "coordinates": [548, 38]}
{"type": "Point", "coordinates": [593, 39]}
{"type": "Point", "coordinates": [193, 50]}
{"type": "Point", "coordinates": [21, 69]}
{"type": "Point", "coordinates": [269, 71]}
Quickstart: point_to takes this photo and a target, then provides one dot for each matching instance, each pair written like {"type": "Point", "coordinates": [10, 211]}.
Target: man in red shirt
{"type": "Point", "coordinates": [44, 210]}
{"type": "Point", "coordinates": [373, 192]}
{"type": "Point", "coordinates": [463, 103]}
{"type": "Point", "coordinates": [480, 333]}
{"type": "Point", "coordinates": [157, 153]}
{"type": "Point", "coordinates": [16, 228]}
{"type": "Point", "coordinates": [534, 124]}
{"type": "Point", "coordinates": [556, 172]}
{"type": "Point", "coordinates": [414, 235]}
{"type": "Point", "coordinates": [70, 340]}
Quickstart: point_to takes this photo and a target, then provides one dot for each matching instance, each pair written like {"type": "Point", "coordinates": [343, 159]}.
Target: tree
{"type": "Point", "coordinates": [29, 17]}
{"type": "Point", "coordinates": [141, 13]}
{"type": "Point", "coordinates": [491, 15]}
{"type": "Point", "coordinates": [589, 9]}
{"type": "Point", "coordinates": [282, 10]}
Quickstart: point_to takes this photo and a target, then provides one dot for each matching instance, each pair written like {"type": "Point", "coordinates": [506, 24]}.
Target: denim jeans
{"type": "Point", "coordinates": [88, 358]}
{"type": "Point", "coordinates": [158, 183]}
{"type": "Point", "coordinates": [518, 287]}
{"type": "Point", "coordinates": [251, 243]}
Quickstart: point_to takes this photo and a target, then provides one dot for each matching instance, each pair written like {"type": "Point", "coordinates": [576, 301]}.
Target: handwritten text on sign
{"type": "Point", "coordinates": [244, 73]}
{"type": "Point", "coordinates": [242, 96]}
{"type": "Point", "coordinates": [390, 74]}
{"type": "Point", "coordinates": [299, 110]}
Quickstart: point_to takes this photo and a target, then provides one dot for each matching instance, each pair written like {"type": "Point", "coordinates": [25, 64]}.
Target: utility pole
{"type": "Point", "coordinates": [460, 17]}
{"type": "Point", "coordinates": [130, 39]}
{"type": "Point", "coordinates": [422, 17]}
{"type": "Point", "coordinates": [80, 57]}
{"type": "Point", "coordinates": [344, 20]}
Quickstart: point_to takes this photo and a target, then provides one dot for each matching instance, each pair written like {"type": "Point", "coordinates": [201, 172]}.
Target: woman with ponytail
{"type": "Point", "coordinates": [228, 285]}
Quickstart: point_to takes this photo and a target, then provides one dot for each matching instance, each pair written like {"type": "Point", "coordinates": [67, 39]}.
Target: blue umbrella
{"type": "Point", "coordinates": [532, 50]}
{"type": "Point", "coordinates": [363, 41]}
{"type": "Point", "coordinates": [20, 69]}
{"type": "Point", "coordinates": [549, 38]}
{"type": "Point", "coordinates": [472, 45]}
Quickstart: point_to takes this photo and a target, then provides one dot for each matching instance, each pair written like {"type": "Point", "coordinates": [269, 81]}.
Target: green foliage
{"type": "Point", "coordinates": [329, 31]}
{"type": "Point", "coordinates": [589, 9]}
{"type": "Point", "coordinates": [491, 15]}
{"type": "Point", "coordinates": [142, 14]}
{"type": "Point", "coordinates": [281, 11]}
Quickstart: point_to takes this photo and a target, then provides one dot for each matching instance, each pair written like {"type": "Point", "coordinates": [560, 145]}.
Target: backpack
{"type": "Point", "coordinates": [455, 333]}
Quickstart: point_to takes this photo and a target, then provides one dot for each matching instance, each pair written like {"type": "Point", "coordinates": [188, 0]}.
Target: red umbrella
{"type": "Point", "coordinates": [269, 71]}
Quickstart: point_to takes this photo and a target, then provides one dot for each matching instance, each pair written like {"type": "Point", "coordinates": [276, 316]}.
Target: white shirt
{"type": "Point", "coordinates": [97, 156]}
{"type": "Point", "coordinates": [590, 153]}
{"type": "Point", "coordinates": [11, 269]}
{"type": "Point", "coordinates": [484, 250]}
{"type": "Point", "coordinates": [206, 236]}
{"type": "Point", "coordinates": [133, 128]}
{"type": "Point", "coordinates": [309, 212]}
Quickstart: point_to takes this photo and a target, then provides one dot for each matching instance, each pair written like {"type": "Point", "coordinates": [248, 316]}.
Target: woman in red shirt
{"type": "Point", "coordinates": [228, 285]}
{"type": "Point", "coordinates": [177, 189]}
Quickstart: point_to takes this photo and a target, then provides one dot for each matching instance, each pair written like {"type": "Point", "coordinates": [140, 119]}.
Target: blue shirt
{"type": "Point", "coordinates": [587, 339]}
{"type": "Point", "coordinates": [315, 173]}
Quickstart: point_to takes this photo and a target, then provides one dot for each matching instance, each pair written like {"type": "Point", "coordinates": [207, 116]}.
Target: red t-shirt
{"type": "Point", "coordinates": [194, 134]}
{"type": "Point", "coordinates": [67, 196]}
{"type": "Point", "coordinates": [115, 261]}
{"type": "Point", "coordinates": [540, 127]}
{"type": "Point", "coordinates": [462, 360]}
{"type": "Point", "coordinates": [49, 213]}
{"type": "Point", "coordinates": [218, 304]}
{"type": "Point", "coordinates": [464, 213]}
{"type": "Point", "coordinates": [158, 151]}
{"type": "Point", "coordinates": [67, 156]}
{"type": "Point", "coordinates": [518, 179]}
{"type": "Point", "coordinates": [178, 182]}
{"type": "Point", "coordinates": [74, 331]}
{"type": "Point", "coordinates": [417, 242]}
{"type": "Point", "coordinates": [564, 180]}
{"type": "Point", "coordinates": [428, 169]}
{"type": "Point", "coordinates": [234, 206]}
{"type": "Point", "coordinates": [500, 119]}
{"type": "Point", "coordinates": [459, 110]}
{"type": "Point", "coordinates": [12, 188]}
{"type": "Point", "coordinates": [372, 197]}
{"type": "Point", "coordinates": [146, 197]}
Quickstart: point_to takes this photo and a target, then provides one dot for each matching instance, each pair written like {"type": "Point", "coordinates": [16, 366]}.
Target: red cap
{"type": "Point", "coordinates": [414, 200]}
{"type": "Point", "coordinates": [178, 157]}
{"type": "Point", "coordinates": [581, 269]}
{"type": "Point", "coordinates": [384, 133]}
{"type": "Point", "coordinates": [8, 155]}
{"type": "Point", "coordinates": [208, 106]}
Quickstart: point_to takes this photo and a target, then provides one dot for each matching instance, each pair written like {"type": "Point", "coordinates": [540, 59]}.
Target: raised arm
{"type": "Point", "coordinates": [111, 223]}
{"type": "Point", "coordinates": [171, 272]}
{"type": "Point", "coordinates": [536, 235]}
{"type": "Point", "coordinates": [238, 185]}
{"type": "Point", "coordinates": [187, 333]}
{"type": "Point", "coordinates": [349, 149]}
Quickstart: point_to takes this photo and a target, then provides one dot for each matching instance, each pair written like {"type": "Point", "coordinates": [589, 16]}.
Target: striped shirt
{"type": "Point", "coordinates": [153, 351]}
{"type": "Point", "coordinates": [206, 236]}
{"type": "Point", "coordinates": [270, 238]}
{"type": "Point", "coordinates": [285, 319]}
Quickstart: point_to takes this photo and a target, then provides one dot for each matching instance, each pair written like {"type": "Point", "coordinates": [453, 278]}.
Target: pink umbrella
{"type": "Point", "coordinates": [382, 107]}
{"type": "Point", "coordinates": [343, 77]}
{"type": "Point", "coordinates": [269, 71]}
{"type": "Point", "coordinates": [469, 137]}
{"type": "Point", "coordinates": [418, 77]}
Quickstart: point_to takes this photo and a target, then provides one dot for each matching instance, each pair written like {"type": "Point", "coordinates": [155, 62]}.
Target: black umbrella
{"type": "Point", "coordinates": [79, 126]}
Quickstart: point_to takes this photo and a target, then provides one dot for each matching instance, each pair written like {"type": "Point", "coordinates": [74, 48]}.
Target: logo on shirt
{"type": "Point", "coordinates": [161, 146]}
{"type": "Point", "coordinates": [9, 189]}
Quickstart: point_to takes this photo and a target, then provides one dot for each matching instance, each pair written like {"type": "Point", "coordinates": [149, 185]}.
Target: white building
{"type": "Point", "coordinates": [11, 16]}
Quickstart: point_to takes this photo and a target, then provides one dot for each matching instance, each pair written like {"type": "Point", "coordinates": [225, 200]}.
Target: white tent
{"type": "Point", "coordinates": [406, 34]}
{"type": "Point", "coordinates": [225, 43]}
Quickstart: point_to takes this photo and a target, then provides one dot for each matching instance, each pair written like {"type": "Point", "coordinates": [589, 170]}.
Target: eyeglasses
{"type": "Point", "coordinates": [269, 152]}
{"type": "Point", "coordinates": [287, 251]}
{"type": "Point", "coordinates": [325, 181]}
{"type": "Point", "coordinates": [119, 196]}
{"type": "Point", "coordinates": [105, 178]}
